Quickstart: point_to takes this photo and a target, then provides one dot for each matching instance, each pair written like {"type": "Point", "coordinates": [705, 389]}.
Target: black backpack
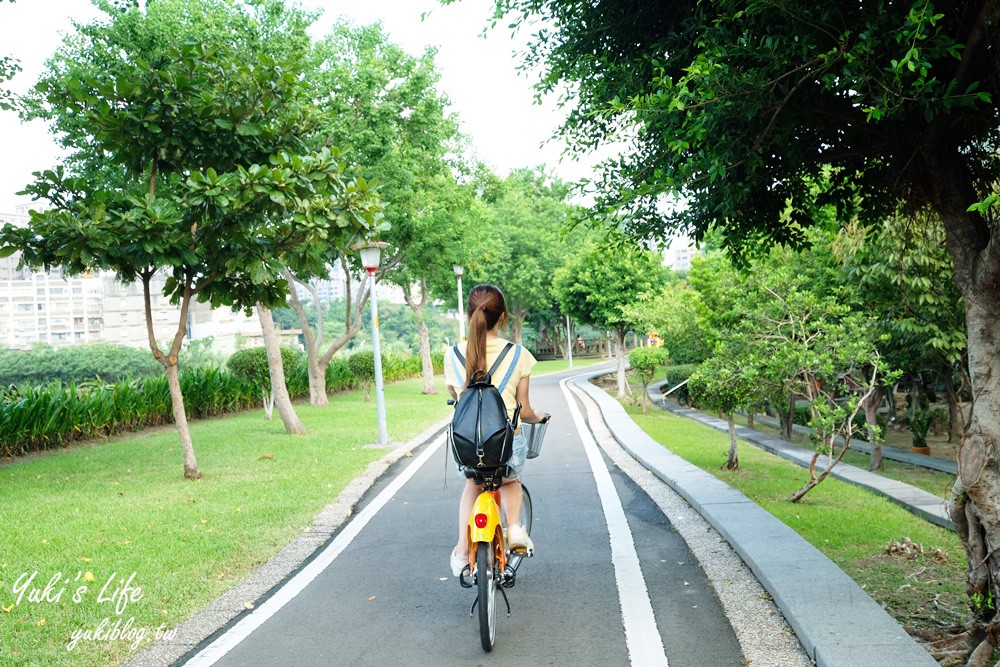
{"type": "Point", "coordinates": [481, 435]}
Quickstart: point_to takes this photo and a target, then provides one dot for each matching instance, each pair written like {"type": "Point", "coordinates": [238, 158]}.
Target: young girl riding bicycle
{"type": "Point", "coordinates": [487, 313]}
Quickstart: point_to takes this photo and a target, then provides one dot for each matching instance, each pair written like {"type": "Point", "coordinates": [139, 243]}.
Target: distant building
{"type": "Point", "coordinates": [679, 256]}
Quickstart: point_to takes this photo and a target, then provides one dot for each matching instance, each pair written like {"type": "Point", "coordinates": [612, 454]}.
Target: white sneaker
{"type": "Point", "coordinates": [517, 538]}
{"type": "Point", "coordinates": [458, 563]}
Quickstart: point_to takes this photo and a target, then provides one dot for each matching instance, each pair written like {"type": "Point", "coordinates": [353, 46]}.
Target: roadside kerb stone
{"type": "Point", "coordinates": [224, 609]}
{"type": "Point", "coordinates": [834, 619]}
{"type": "Point", "coordinates": [924, 504]}
{"type": "Point", "coordinates": [891, 453]}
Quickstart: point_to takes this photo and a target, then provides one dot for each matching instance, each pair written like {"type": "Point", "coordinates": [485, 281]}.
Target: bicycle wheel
{"type": "Point", "coordinates": [486, 580]}
{"type": "Point", "coordinates": [526, 515]}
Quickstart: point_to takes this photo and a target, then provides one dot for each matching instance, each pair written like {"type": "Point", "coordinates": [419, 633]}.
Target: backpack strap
{"type": "Point", "coordinates": [496, 364]}
{"type": "Point", "coordinates": [510, 370]}
{"type": "Point", "coordinates": [457, 358]}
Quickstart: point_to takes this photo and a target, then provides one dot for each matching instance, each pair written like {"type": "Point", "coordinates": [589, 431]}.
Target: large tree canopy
{"type": "Point", "coordinates": [764, 115]}
{"type": "Point", "coordinates": [743, 107]}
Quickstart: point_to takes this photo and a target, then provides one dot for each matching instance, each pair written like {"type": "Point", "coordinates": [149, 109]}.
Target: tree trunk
{"type": "Point", "coordinates": [419, 309]}
{"type": "Point", "coordinates": [973, 245]}
{"type": "Point", "coordinates": [276, 369]}
{"type": "Point", "coordinates": [517, 316]}
{"type": "Point", "coordinates": [426, 363]}
{"type": "Point", "coordinates": [871, 420]}
{"type": "Point", "coordinates": [974, 507]}
{"type": "Point", "coordinates": [169, 363]}
{"type": "Point", "coordinates": [733, 459]}
{"type": "Point", "coordinates": [623, 388]}
{"type": "Point", "coordinates": [318, 362]}
{"type": "Point", "coordinates": [956, 420]}
{"type": "Point", "coordinates": [750, 420]}
{"type": "Point", "coordinates": [787, 419]}
{"type": "Point", "coordinates": [191, 470]}
{"type": "Point", "coordinates": [316, 368]}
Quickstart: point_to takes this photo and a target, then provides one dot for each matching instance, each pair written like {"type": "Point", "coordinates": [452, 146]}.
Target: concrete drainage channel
{"type": "Point", "coordinates": [837, 623]}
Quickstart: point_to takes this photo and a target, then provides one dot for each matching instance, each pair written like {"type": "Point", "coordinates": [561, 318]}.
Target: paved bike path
{"type": "Point", "coordinates": [388, 597]}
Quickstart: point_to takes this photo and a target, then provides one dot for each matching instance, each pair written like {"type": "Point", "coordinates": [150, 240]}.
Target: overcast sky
{"type": "Point", "coordinates": [494, 103]}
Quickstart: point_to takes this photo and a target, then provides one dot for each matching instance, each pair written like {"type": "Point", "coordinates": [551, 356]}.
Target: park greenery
{"type": "Point", "coordinates": [837, 169]}
{"type": "Point", "coordinates": [759, 121]}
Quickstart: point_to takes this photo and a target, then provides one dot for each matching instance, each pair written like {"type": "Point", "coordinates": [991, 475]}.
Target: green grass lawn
{"type": "Point", "coordinates": [103, 511]}
{"type": "Point", "coordinates": [849, 525]}
{"type": "Point", "coordinates": [556, 365]}
{"type": "Point", "coordinates": [932, 481]}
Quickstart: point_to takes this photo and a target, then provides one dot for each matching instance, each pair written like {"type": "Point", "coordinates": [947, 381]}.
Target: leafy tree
{"type": "Point", "coordinates": [362, 365]}
{"type": "Point", "coordinates": [184, 123]}
{"type": "Point", "coordinates": [673, 314]}
{"type": "Point", "coordinates": [645, 361]}
{"type": "Point", "coordinates": [743, 107]}
{"type": "Point", "coordinates": [8, 68]}
{"type": "Point", "coordinates": [530, 214]}
{"type": "Point", "coordinates": [724, 383]}
{"type": "Point", "coordinates": [384, 103]}
{"type": "Point", "coordinates": [598, 285]}
{"type": "Point", "coordinates": [903, 272]}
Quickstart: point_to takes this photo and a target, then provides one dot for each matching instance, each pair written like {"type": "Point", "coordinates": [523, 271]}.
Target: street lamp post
{"type": "Point", "coordinates": [370, 256]}
{"type": "Point", "coordinates": [461, 311]}
{"type": "Point", "coordinates": [569, 341]}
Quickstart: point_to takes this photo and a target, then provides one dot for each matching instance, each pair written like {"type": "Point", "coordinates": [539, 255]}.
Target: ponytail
{"type": "Point", "coordinates": [486, 307]}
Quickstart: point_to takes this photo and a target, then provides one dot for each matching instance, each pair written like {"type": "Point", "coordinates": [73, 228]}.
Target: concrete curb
{"type": "Point", "coordinates": [221, 611]}
{"type": "Point", "coordinates": [838, 624]}
{"type": "Point", "coordinates": [924, 504]}
{"type": "Point", "coordinates": [891, 453]}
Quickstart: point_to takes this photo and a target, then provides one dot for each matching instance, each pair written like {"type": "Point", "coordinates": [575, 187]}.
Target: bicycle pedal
{"type": "Point", "coordinates": [523, 553]}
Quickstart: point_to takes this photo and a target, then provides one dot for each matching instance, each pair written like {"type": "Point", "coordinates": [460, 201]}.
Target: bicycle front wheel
{"type": "Point", "coordinates": [486, 581]}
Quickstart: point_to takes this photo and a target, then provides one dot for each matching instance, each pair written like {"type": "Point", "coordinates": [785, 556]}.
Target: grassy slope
{"type": "Point", "coordinates": [114, 510]}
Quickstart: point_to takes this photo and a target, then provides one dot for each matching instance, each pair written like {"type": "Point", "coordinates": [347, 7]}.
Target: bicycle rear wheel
{"type": "Point", "coordinates": [526, 516]}
{"type": "Point", "coordinates": [486, 581]}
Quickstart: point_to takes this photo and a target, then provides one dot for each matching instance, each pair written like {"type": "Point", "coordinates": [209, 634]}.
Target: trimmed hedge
{"type": "Point", "coordinates": [106, 362]}
{"type": "Point", "coordinates": [52, 415]}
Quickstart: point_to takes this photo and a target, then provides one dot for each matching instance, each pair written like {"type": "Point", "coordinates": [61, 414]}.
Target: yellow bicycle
{"type": "Point", "coordinates": [492, 565]}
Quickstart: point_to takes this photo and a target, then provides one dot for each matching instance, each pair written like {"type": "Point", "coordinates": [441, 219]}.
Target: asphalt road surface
{"type": "Point", "coordinates": [600, 590]}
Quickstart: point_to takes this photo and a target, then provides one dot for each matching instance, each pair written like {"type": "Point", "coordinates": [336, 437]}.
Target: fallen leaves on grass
{"type": "Point", "coordinates": [267, 457]}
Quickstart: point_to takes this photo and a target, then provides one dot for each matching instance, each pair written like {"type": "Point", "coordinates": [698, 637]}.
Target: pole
{"type": "Point", "coordinates": [461, 311]}
{"type": "Point", "coordinates": [569, 339]}
{"type": "Point", "coordinates": [383, 432]}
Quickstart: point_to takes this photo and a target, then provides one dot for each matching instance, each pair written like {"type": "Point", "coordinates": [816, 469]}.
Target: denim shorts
{"type": "Point", "coordinates": [519, 454]}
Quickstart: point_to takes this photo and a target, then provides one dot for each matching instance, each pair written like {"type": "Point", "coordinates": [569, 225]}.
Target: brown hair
{"type": "Point", "coordinates": [486, 307]}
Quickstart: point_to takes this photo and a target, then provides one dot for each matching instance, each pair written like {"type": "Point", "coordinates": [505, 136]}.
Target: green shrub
{"type": "Point", "coordinates": [101, 361]}
{"type": "Point", "coordinates": [46, 416]}
{"type": "Point", "coordinates": [437, 361]}
{"type": "Point", "coordinates": [362, 367]}
{"type": "Point", "coordinates": [801, 415]}
{"type": "Point", "coordinates": [339, 377]}
{"type": "Point", "coordinates": [251, 365]}
{"type": "Point", "coordinates": [674, 375]}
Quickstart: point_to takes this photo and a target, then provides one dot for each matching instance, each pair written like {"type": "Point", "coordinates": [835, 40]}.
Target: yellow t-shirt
{"type": "Point", "coordinates": [518, 362]}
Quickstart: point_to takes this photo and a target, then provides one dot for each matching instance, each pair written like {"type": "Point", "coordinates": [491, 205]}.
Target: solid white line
{"type": "Point", "coordinates": [226, 642]}
{"type": "Point", "coordinates": [645, 647]}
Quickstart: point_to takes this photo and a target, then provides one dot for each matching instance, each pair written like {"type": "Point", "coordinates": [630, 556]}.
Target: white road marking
{"type": "Point", "coordinates": [642, 637]}
{"type": "Point", "coordinates": [227, 641]}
